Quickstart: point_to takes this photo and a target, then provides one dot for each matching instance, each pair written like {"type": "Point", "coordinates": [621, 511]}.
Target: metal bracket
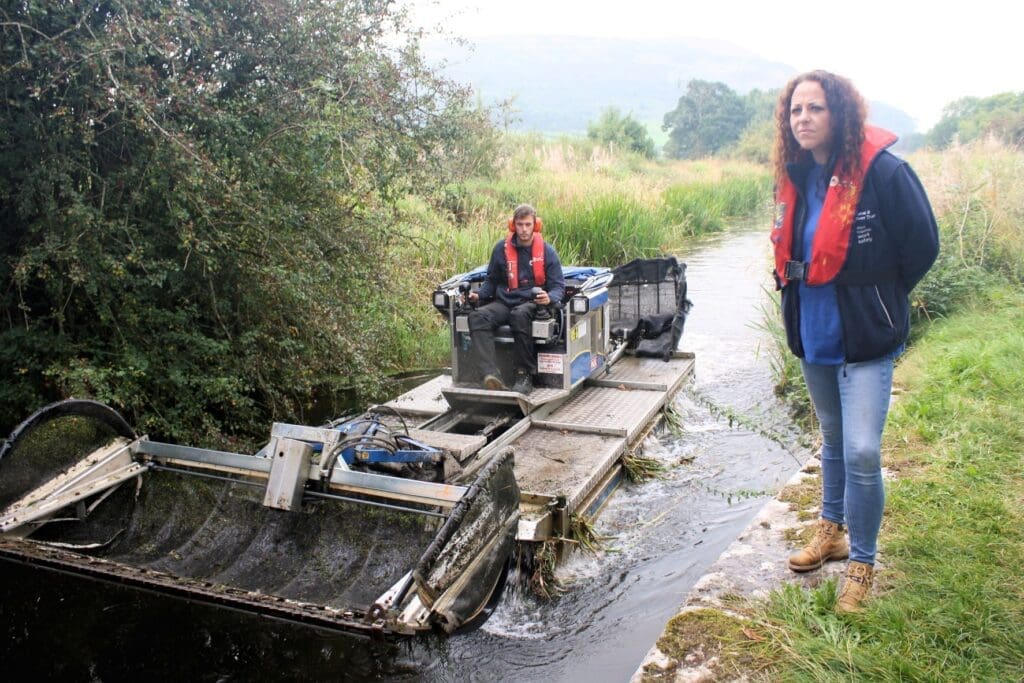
{"type": "Point", "coordinates": [330, 438]}
{"type": "Point", "coordinates": [289, 471]}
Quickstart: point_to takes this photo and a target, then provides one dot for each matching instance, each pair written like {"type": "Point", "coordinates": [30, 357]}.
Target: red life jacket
{"type": "Point", "coordinates": [832, 238]}
{"type": "Point", "coordinates": [536, 256]}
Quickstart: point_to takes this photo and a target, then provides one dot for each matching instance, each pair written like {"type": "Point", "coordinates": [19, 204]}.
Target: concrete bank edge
{"type": "Point", "coordinates": [753, 565]}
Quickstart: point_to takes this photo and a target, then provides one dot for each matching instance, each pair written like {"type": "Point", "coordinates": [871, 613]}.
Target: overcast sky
{"type": "Point", "coordinates": [915, 55]}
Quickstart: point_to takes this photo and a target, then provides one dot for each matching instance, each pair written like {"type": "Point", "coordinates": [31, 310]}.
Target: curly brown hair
{"type": "Point", "coordinates": [848, 112]}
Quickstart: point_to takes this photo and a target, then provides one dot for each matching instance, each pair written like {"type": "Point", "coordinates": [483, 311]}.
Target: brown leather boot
{"type": "Point", "coordinates": [856, 586]}
{"type": "Point", "coordinates": [829, 543]}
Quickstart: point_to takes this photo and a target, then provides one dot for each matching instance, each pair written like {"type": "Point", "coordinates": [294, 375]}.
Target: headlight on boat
{"type": "Point", "coordinates": [580, 304]}
{"type": "Point", "coordinates": [441, 299]}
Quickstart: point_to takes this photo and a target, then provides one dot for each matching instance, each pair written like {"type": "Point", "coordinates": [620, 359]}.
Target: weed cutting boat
{"type": "Point", "coordinates": [400, 520]}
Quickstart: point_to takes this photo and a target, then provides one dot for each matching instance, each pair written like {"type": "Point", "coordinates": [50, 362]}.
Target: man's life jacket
{"type": "Point", "coordinates": [832, 239]}
{"type": "Point", "coordinates": [536, 256]}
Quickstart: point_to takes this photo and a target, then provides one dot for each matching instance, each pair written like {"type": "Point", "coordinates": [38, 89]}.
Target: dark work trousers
{"type": "Point", "coordinates": [486, 319]}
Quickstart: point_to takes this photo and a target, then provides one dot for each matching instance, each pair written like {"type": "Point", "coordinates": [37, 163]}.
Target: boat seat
{"type": "Point", "coordinates": [503, 335]}
{"type": "Point", "coordinates": [504, 332]}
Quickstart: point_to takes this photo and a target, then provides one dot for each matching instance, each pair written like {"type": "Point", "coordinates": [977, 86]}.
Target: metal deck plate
{"type": "Point", "coordinates": [469, 396]}
{"type": "Point", "coordinates": [459, 445]}
{"type": "Point", "coordinates": [648, 373]}
{"type": "Point", "coordinates": [603, 410]}
{"type": "Point", "coordinates": [426, 400]}
{"type": "Point", "coordinates": [554, 463]}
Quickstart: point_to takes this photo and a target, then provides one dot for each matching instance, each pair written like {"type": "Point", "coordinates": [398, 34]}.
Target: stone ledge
{"type": "Point", "coordinates": [754, 565]}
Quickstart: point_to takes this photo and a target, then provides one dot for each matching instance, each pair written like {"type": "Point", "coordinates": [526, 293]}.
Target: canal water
{"type": "Point", "coordinates": [733, 452]}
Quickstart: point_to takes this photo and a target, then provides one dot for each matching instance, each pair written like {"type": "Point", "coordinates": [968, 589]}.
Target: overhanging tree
{"type": "Point", "coordinates": [195, 200]}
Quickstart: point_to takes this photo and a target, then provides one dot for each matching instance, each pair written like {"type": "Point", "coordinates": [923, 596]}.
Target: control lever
{"type": "Point", "coordinates": [543, 312]}
{"type": "Point", "coordinates": [464, 288]}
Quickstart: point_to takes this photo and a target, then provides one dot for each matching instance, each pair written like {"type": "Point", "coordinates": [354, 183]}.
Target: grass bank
{"type": "Point", "coordinates": [950, 601]}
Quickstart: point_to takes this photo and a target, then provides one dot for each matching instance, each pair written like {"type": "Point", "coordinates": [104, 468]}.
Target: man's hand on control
{"type": "Point", "coordinates": [543, 299]}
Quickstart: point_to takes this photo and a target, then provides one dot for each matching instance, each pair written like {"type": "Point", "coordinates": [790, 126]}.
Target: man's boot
{"type": "Point", "coordinates": [494, 383]}
{"type": "Point", "coordinates": [829, 543]}
{"type": "Point", "coordinates": [856, 587]}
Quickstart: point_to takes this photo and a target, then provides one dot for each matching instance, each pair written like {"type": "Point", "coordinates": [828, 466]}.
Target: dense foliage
{"type": "Point", "coordinates": [975, 118]}
{"type": "Point", "coordinates": [612, 128]}
{"type": "Point", "coordinates": [977, 193]}
{"type": "Point", "coordinates": [708, 117]}
{"type": "Point", "coordinates": [195, 200]}
{"type": "Point", "coordinates": [712, 118]}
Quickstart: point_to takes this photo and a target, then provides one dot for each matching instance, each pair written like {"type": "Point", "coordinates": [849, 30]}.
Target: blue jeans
{"type": "Point", "coordinates": [851, 402]}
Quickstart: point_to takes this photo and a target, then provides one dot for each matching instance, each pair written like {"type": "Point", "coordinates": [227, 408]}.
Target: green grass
{"type": "Point", "coordinates": [701, 207]}
{"type": "Point", "coordinates": [599, 207]}
{"type": "Point", "coordinates": [607, 230]}
{"type": "Point", "coordinates": [948, 605]}
{"type": "Point", "coordinates": [706, 637]}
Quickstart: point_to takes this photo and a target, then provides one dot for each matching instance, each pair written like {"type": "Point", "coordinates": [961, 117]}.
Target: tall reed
{"type": "Point", "coordinates": [704, 206]}
{"type": "Point", "coordinates": [977, 192]}
{"type": "Point", "coordinates": [608, 229]}
{"type": "Point", "coordinates": [602, 207]}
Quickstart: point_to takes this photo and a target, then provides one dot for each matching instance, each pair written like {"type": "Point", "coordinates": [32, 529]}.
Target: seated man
{"type": "Point", "coordinates": [519, 264]}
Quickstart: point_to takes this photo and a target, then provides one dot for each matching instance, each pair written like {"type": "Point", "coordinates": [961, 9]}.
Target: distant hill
{"type": "Point", "coordinates": [560, 83]}
{"type": "Point", "coordinates": [896, 120]}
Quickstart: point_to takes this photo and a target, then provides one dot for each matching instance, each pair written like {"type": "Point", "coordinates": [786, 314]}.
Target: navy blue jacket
{"type": "Point", "coordinates": [496, 283]}
{"type": "Point", "coordinates": [893, 243]}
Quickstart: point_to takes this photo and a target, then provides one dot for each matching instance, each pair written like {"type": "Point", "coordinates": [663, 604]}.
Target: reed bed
{"type": "Point", "coordinates": [977, 193]}
{"type": "Point", "coordinates": [601, 207]}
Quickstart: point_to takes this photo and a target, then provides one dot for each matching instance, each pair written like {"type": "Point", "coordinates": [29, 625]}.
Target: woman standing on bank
{"type": "Point", "coordinates": [853, 234]}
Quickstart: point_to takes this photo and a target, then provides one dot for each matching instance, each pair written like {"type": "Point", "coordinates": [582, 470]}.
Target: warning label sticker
{"type": "Point", "coordinates": [551, 363]}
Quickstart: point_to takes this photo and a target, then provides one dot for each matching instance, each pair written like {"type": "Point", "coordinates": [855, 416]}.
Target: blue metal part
{"type": "Point", "coordinates": [371, 441]}
{"type": "Point", "coordinates": [360, 454]}
{"type": "Point", "coordinates": [605, 493]}
{"type": "Point", "coordinates": [584, 365]}
{"type": "Point", "coordinates": [598, 299]}
{"type": "Point", "coordinates": [584, 277]}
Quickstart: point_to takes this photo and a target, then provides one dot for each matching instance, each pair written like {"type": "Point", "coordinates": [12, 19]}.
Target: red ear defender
{"type": "Point", "coordinates": [538, 224]}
